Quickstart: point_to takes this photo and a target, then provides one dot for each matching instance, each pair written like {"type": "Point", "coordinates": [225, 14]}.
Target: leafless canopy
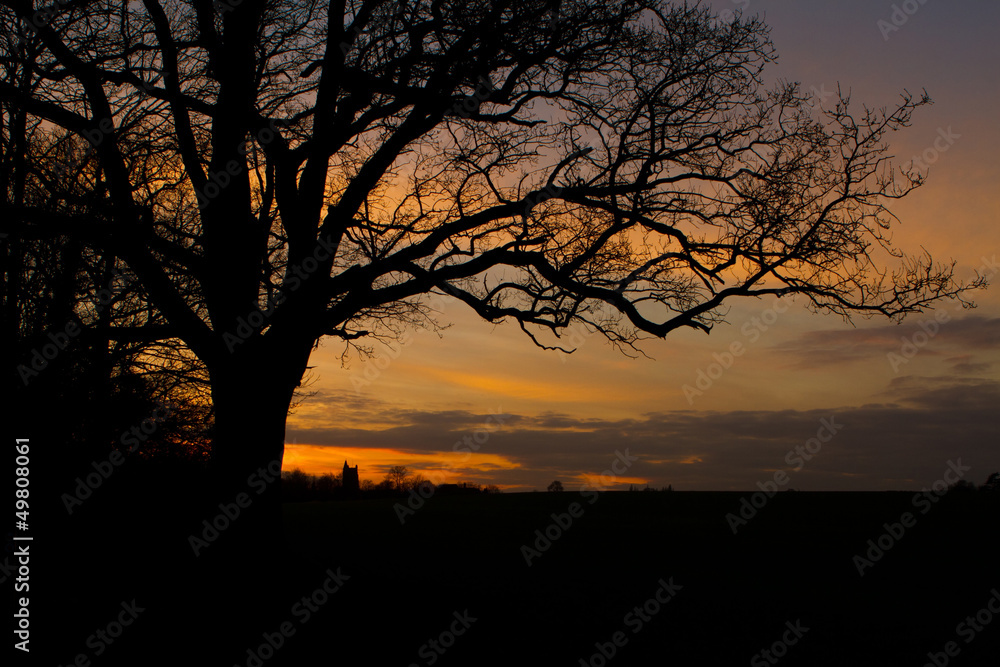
{"type": "Point", "coordinates": [330, 164]}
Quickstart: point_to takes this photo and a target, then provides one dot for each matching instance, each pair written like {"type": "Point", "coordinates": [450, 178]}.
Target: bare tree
{"type": "Point", "coordinates": [415, 481]}
{"type": "Point", "coordinates": [272, 173]}
{"type": "Point", "coordinates": [397, 478]}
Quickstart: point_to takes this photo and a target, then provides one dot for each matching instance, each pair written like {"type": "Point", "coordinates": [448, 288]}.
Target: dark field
{"type": "Point", "coordinates": [459, 556]}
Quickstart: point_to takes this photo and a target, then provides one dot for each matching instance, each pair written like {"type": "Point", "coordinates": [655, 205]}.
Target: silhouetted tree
{"type": "Point", "coordinates": [397, 478]}
{"type": "Point", "coordinates": [272, 173]}
{"type": "Point", "coordinates": [962, 487]}
{"type": "Point", "coordinates": [327, 485]}
{"type": "Point", "coordinates": [992, 483]}
{"type": "Point", "coordinates": [415, 480]}
{"type": "Point", "coordinates": [555, 486]}
{"type": "Point", "coordinates": [424, 486]}
{"type": "Point", "coordinates": [296, 485]}
{"type": "Point", "coordinates": [492, 489]}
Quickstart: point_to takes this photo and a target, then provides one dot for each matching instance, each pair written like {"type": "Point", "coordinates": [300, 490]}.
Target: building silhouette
{"type": "Point", "coordinates": [350, 481]}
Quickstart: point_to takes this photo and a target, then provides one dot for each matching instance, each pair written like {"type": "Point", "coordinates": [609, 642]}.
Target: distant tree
{"type": "Point", "coordinates": [327, 483]}
{"type": "Point", "coordinates": [962, 487]}
{"type": "Point", "coordinates": [555, 486]}
{"type": "Point", "coordinates": [492, 489]}
{"type": "Point", "coordinates": [992, 483]}
{"type": "Point", "coordinates": [296, 485]}
{"type": "Point", "coordinates": [415, 480]}
{"type": "Point", "coordinates": [397, 478]}
{"type": "Point", "coordinates": [420, 483]}
{"type": "Point", "coordinates": [368, 486]}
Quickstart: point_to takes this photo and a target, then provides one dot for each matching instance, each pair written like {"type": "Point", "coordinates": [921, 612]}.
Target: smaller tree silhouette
{"type": "Point", "coordinates": [295, 484]}
{"type": "Point", "coordinates": [992, 483]}
{"type": "Point", "coordinates": [396, 478]}
{"type": "Point", "coordinates": [415, 480]}
{"type": "Point", "coordinates": [326, 485]}
{"type": "Point", "coordinates": [555, 486]}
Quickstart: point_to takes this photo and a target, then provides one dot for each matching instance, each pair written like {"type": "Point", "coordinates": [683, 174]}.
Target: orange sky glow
{"type": "Point", "coordinates": [694, 417]}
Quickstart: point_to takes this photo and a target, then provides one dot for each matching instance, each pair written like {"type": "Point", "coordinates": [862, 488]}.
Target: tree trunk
{"type": "Point", "coordinates": [251, 396]}
{"type": "Point", "coordinates": [239, 557]}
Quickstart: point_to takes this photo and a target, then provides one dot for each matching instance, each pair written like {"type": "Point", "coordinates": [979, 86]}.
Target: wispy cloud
{"type": "Point", "coordinates": [828, 347]}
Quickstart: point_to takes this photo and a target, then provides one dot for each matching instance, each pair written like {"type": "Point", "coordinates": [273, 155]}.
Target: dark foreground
{"type": "Point", "coordinates": [642, 578]}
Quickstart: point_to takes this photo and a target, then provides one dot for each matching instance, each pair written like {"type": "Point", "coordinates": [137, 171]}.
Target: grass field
{"type": "Point", "coordinates": [455, 573]}
{"type": "Point", "coordinates": [793, 561]}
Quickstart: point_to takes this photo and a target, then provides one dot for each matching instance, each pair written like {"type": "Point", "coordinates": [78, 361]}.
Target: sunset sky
{"type": "Point", "coordinates": [905, 411]}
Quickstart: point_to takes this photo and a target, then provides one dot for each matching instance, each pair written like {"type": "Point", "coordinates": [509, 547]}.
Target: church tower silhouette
{"type": "Point", "coordinates": [350, 480]}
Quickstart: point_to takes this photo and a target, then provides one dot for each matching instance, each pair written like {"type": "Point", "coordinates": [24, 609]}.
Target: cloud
{"type": "Point", "coordinates": [965, 365]}
{"type": "Point", "coordinates": [904, 441]}
{"type": "Point", "coordinates": [946, 393]}
{"type": "Point", "coordinates": [827, 347]}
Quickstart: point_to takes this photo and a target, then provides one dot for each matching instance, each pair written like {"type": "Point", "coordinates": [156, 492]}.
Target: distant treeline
{"type": "Point", "coordinates": [299, 486]}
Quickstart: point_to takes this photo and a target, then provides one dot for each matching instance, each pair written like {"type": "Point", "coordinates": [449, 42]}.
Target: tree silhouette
{"type": "Point", "coordinates": [992, 483]}
{"type": "Point", "coordinates": [397, 477]}
{"type": "Point", "coordinates": [273, 173]}
{"type": "Point", "coordinates": [555, 486]}
{"type": "Point", "coordinates": [65, 310]}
